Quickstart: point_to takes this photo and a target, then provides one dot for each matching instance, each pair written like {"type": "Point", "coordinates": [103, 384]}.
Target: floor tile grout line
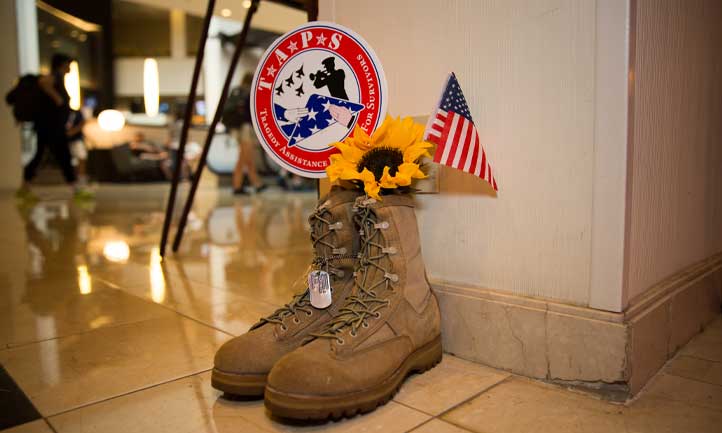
{"type": "Point", "coordinates": [241, 298]}
{"type": "Point", "coordinates": [685, 402]}
{"type": "Point", "coordinates": [75, 334]}
{"type": "Point", "coordinates": [50, 426]}
{"type": "Point", "coordinates": [701, 359]}
{"type": "Point", "coordinates": [440, 420]}
{"type": "Point", "coordinates": [461, 403]}
{"type": "Point", "coordinates": [413, 408]}
{"type": "Point", "coordinates": [693, 379]}
{"type": "Point", "coordinates": [416, 427]}
{"type": "Point", "coordinates": [168, 308]}
{"type": "Point", "coordinates": [144, 388]}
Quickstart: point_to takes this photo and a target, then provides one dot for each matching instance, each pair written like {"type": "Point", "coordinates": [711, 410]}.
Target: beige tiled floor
{"type": "Point", "coordinates": [103, 337]}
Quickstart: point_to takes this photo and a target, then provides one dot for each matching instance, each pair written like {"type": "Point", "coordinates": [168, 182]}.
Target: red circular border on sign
{"type": "Point", "coordinates": [364, 68]}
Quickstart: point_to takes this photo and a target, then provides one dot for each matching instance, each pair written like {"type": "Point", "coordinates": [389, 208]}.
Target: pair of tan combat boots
{"type": "Point", "coordinates": [383, 322]}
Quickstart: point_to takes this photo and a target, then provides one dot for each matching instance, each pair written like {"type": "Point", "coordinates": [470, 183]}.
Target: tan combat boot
{"type": "Point", "coordinates": [242, 364]}
{"type": "Point", "coordinates": [389, 327]}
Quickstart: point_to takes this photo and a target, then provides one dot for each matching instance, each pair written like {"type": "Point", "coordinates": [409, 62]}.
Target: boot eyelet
{"type": "Point", "coordinates": [389, 250]}
{"type": "Point", "coordinates": [377, 315]}
{"type": "Point", "coordinates": [340, 251]}
{"type": "Point", "coordinates": [336, 226]}
{"type": "Point", "coordinates": [296, 321]}
{"type": "Point", "coordinates": [353, 333]}
{"type": "Point", "coordinates": [365, 324]}
{"type": "Point", "coordinates": [393, 277]}
{"type": "Point", "coordinates": [309, 313]}
{"type": "Point", "coordinates": [284, 327]}
{"type": "Point", "coordinates": [340, 341]}
{"type": "Point", "coordinates": [383, 225]}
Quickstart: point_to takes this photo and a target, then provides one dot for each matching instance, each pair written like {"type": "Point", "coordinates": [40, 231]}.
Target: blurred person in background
{"type": "Point", "coordinates": [76, 141]}
{"type": "Point", "coordinates": [149, 151]}
{"type": "Point", "coordinates": [237, 118]}
{"type": "Point", "coordinates": [192, 151]}
{"type": "Point", "coordinates": [50, 127]}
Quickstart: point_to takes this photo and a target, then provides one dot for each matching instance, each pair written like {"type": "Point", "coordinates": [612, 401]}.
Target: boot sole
{"type": "Point", "coordinates": [309, 407]}
{"type": "Point", "coordinates": [242, 385]}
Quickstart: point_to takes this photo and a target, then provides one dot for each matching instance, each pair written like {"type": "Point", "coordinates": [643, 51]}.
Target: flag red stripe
{"type": "Point", "coordinates": [441, 142]}
{"type": "Point", "coordinates": [445, 145]}
{"type": "Point", "coordinates": [455, 140]}
{"type": "Point", "coordinates": [460, 143]}
{"type": "Point", "coordinates": [483, 165]}
{"type": "Point", "coordinates": [475, 153]}
{"type": "Point", "coordinates": [468, 142]}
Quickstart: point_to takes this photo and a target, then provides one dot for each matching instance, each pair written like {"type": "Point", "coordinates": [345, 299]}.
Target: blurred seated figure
{"type": "Point", "coordinates": [165, 155]}
{"type": "Point", "coordinates": [149, 151]}
{"type": "Point", "coordinates": [144, 149]}
{"type": "Point", "coordinates": [192, 150]}
{"type": "Point", "coordinates": [127, 167]}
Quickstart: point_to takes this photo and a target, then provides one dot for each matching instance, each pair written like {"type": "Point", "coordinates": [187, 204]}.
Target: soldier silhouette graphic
{"type": "Point", "coordinates": [330, 77]}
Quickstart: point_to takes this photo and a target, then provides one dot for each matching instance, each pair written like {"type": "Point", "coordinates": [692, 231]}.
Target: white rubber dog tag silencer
{"type": "Point", "coordinates": [319, 288]}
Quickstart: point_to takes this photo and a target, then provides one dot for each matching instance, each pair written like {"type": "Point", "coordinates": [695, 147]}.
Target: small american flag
{"type": "Point", "coordinates": [453, 131]}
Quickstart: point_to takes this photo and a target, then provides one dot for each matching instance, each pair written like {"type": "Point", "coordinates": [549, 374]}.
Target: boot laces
{"type": "Point", "coordinates": [321, 228]}
{"type": "Point", "coordinates": [366, 302]}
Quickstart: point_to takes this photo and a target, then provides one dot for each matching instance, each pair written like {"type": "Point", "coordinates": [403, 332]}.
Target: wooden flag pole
{"type": "Point", "coordinates": [212, 128]}
{"type": "Point", "coordinates": [178, 163]}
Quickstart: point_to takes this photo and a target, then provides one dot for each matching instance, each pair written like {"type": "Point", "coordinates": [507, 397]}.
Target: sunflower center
{"type": "Point", "coordinates": [378, 158]}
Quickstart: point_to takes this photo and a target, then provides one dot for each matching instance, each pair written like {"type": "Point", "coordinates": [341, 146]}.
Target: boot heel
{"type": "Point", "coordinates": [428, 356]}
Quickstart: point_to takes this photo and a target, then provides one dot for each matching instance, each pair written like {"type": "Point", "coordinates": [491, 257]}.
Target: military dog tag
{"type": "Point", "coordinates": [319, 288]}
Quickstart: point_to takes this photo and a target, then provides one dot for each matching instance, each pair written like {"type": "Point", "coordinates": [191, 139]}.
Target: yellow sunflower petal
{"type": "Point", "coordinates": [405, 133]}
{"type": "Point", "coordinates": [366, 176]}
{"type": "Point", "coordinates": [416, 151]}
{"type": "Point", "coordinates": [360, 139]}
{"type": "Point", "coordinates": [371, 187]}
{"type": "Point", "coordinates": [388, 181]}
{"type": "Point", "coordinates": [351, 153]}
{"type": "Point", "coordinates": [381, 132]}
{"type": "Point", "coordinates": [408, 171]}
{"type": "Point", "coordinates": [341, 169]}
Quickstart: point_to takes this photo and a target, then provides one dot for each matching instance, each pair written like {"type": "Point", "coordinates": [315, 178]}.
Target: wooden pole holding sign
{"type": "Point", "coordinates": [186, 124]}
{"type": "Point", "coordinates": [311, 7]}
{"type": "Point", "coordinates": [214, 123]}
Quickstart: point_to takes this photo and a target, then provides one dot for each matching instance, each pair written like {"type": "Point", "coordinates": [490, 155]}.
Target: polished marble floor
{"type": "Point", "coordinates": [103, 336]}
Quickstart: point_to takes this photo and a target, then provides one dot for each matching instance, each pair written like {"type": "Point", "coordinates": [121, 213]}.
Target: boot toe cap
{"type": "Point", "coordinates": [311, 370]}
{"type": "Point", "coordinates": [317, 370]}
{"type": "Point", "coordinates": [250, 353]}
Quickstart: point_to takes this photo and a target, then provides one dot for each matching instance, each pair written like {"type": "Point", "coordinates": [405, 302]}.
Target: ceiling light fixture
{"type": "Point", "coordinates": [111, 120]}
{"type": "Point", "coordinates": [151, 91]}
{"type": "Point", "coordinates": [72, 85]}
{"type": "Point", "coordinates": [226, 13]}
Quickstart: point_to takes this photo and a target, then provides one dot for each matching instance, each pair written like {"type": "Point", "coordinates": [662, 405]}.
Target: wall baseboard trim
{"type": "Point", "coordinates": [610, 354]}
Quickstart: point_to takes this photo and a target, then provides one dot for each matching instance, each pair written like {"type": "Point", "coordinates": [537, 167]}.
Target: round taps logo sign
{"type": "Point", "coordinates": [312, 87]}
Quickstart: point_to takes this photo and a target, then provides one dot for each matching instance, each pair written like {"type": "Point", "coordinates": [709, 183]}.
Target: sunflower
{"type": "Point", "coordinates": [387, 159]}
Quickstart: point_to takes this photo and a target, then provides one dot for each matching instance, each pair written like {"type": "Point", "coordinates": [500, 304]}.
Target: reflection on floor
{"type": "Point", "coordinates": [104, 337]}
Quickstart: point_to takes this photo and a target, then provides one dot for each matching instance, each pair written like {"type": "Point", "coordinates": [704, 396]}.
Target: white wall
{"type": "Point", "coordinates": [528, 69]}
{"type": "Point", "coordinates": [217, 60]}
{"type": "Point", "coordinates": [175, 76]}
{"type": "Point", "coordinates": [675, 211]}
{"type": "Point", "coordinates": [270, 16]}
{"type": "Point", "coordinates": [10, 167]}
